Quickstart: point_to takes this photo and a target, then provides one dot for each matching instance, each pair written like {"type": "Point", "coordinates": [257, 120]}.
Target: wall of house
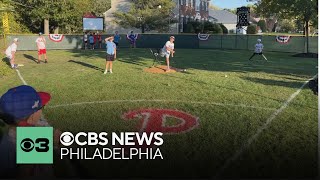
{"type": "Point", "coordinates": [231, 27]}
{"type": "Point", "coordinates": [192, 10]}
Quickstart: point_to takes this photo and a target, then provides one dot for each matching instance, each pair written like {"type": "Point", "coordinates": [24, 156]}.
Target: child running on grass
{"type": "Point", "coordinates": [111, 53]}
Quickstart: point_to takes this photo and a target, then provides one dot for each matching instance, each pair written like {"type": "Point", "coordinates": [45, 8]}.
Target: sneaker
{"type": "Point", "coordinates": [15, 66]}
{"type": "Point", "coordinates": [38, 62]}
{"type": "Point", "coordinates": [45, 61]}
{"type": "Point", "coordinates": [111, 71]}
{"type": "Point", "coordinates": [105, 72]}
{"type": "Point", "coordinates": [167, 70]}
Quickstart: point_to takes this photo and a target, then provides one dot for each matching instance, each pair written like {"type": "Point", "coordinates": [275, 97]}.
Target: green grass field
{"type": "Point", "coordinates": [230, 109]}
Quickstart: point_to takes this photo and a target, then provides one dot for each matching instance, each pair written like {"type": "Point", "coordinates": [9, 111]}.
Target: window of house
{"type": "Point", "coordinates": [203, 5]}
{"type": "Point", "coordinates": [197, 5]}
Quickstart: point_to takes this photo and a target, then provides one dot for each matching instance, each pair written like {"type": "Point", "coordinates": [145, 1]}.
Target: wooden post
{"type": "Point", "coordinates": [46, 26]}
{"type": "Point", "coordinates": [307, 35]}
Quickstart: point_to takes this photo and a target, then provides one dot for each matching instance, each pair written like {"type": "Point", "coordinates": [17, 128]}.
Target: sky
{"type": "Point", "coordinates": [230, 4]}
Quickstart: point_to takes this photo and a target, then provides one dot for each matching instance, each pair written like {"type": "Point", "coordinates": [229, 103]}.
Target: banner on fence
{"type": "Point", "coordinates": [56, 37]}
{"type": "Point", "coordinates": [283, 39]}
{"type": "Point", "coordinates": [203, 37]}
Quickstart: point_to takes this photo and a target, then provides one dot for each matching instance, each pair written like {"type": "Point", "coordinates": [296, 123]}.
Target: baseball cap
{"type": "Point", "coordinates": [40, 33]}
{"type": "Point", "coordinates": [259, 40]}
{"type": "Point", "coordinates": [21, 102]}
{"type": "Point", "coordinates": [172, 37]}
{"type": "Point", "coordinates": [16, 39]}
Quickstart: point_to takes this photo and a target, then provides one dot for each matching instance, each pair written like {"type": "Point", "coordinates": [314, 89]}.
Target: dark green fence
{"type": "Point", "coordinates": [296, 43]}
{"type": "Point", "coordinates": [240, 42]}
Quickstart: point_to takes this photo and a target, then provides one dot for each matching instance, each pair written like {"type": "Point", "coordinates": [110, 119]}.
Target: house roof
{"type": "Point", "coordinates": [223, 16]}
{"type": "Point", "coordinates": [89, 15]}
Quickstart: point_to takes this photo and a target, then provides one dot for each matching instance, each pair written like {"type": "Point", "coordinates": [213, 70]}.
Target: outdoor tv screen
{"type": "Point", "coordinates": [93, 24]}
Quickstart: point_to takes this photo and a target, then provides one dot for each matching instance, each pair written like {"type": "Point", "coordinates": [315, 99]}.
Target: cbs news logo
{"type": "Point", "coordinates": [34, 145]}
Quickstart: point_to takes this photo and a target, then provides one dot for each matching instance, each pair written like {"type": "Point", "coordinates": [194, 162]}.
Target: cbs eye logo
{"type": "Point", "coordinates": [66, 138]}
{"type": "Point", "coordinates": [40, 145]}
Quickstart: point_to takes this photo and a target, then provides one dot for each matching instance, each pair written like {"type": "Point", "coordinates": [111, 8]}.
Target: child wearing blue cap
{"type": "Point", "coordinates": [19, 106]}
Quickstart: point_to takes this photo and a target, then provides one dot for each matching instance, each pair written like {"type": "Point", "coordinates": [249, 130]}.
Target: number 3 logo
{"type": "Point", "coordinates": [27, 145]}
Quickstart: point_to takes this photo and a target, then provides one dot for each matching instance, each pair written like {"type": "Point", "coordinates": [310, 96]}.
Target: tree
{"type": "Point", "coordinates": [306, 10]}
{"type": "Point", "coordinates": [15, 27]}
{"type": "Point", "coordinates": [214, 7]}
{"type": "Point", "coordinates": [147, 15]}
{"type": "Point", "coordinates": [263, 25]}
{"type": "Point", "coordinates": [286, 26]}
{"type": "Point", "coordinates": [100, 6]}
{"type": "Point", "coordinates": [65, 15]}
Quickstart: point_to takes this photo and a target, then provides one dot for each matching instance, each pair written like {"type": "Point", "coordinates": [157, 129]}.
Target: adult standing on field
{"type": "Point", "coordinates": [41, 45]}
{"type": "Point", "coordinates": [95, 39]}
{"type": "Point", "coordinates": [85, 40]}
{"type": "Point", "coordinates": [91, 41]}
{"type": "Point", "coordinates": [11, 51]}
{"type": "Point", "coordinates": [117, 38]}
{"type": "Point", "coordinates": [132, 38]}
{"type": "Point", "coordinates": [99, 39]}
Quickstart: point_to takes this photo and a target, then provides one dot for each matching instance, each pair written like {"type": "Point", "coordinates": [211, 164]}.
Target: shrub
{"type": "Point", "coordinates": [263, 25]}
{"type": "Point", "coordinates": [216, 29]}
{"type": "Point", "coordinates": [207, 26]}
{"type": "Point", "coordinates": [189, 28]}
{"type": "Point", "coordinates": [252, 29]}
{"type": "Point", "coordinates": [224, 29]}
